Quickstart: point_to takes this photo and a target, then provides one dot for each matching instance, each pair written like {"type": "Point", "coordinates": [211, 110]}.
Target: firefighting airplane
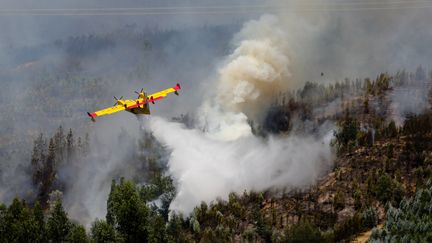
{"type": "Point", "coordinates": [138, 106]}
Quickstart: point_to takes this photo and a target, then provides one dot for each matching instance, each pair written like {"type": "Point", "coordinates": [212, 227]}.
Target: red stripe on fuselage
{"type": "Point", "coordinates": [136, 105]}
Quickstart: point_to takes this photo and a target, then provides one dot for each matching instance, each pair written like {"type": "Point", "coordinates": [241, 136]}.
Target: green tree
{"type": "Point", "coordinates": [19, 224]}
{"type": "Point", "coordinates": [388, 190]}
{"type": "Point", "coordinates": [174, 229]}
{"type": "Point", "coordinates": [38, 158]}
{"type": "Point", "coordinates": [3, 228]}
{"type": "Point", "coordinates": [357, 195]}
{"type": "Point", "coordinates": [411, 222]}
{"type": "Point", "coordinates": [39, 222]}
{"type": "Point", "coordinates": [156, 228]}
{"type": "Point", "coordinates": [263, 227]}
{"type": "Point", "coordinates": [392, 130]}
{"type": "Point", "coordinates": [348, 228]}
{"type": "Point", "coordinates": [110, 204]}
{"type": "Point", "coordinates": [70, 146]}
{"type": "Point", "coordinates": [14, 222]}
{"type": "Point", "coordinates": [77, 234]}
{"type": "Point", "coordinates": [303, 231]}
{"type": "Point", "coordinates": [366, 105]}
{"type": "Point", "coordinates": [48, 173]}
{"type": "Point", "coordinates": [348, 129]}
{"type": "Point", "coordinates": [101, 231]}
{"type": "Point", "coordinates": [59, 142]}
{"type": "Point", "coordinates": [58, 225]}
{"type": "Point", "coordinates": [382, 82]}
{"type": "Point", "coordinates": [384, 188]}
{"type": "Point", "coordinates": [127, 212]}
{"type": "Point", "coordinates": [369, 218]}
{"type": "Point", "coordinates": [339, 200]}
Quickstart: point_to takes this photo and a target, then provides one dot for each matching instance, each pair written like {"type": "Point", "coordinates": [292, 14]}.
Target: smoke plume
{"type": "Point", "coordinates": [248, 80]}
{"type": "Point", "coordinates": [222, 155]}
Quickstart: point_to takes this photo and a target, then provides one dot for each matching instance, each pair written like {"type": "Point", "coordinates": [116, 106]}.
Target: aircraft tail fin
{"type": "Point", "coordinates": [92, 116]}
{"type": "Point", "coordinates": [177, 88]}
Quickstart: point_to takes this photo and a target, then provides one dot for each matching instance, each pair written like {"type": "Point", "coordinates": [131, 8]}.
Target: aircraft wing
{"type": "Point", "coordinates": [106, 111]}
{"type": "Point", "coordinates": [162, 94]}
{"type": "Point", "coordinates": [111, 110]}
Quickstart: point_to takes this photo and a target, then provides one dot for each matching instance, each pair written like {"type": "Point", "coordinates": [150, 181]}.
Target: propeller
{"type": "Point", "coordinates": [138, 93]}
{"type": "Point", "coordinates": [121, 97]}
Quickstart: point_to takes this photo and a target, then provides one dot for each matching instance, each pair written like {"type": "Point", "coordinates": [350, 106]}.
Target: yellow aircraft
{"type": "Point", "coordinates": [138, 106]}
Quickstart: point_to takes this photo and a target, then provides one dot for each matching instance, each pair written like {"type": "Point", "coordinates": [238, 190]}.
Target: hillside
{"type": "Point", "coordinates": [377, 164]}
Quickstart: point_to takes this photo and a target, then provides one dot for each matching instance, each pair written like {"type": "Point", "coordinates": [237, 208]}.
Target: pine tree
{"type": "Point", "coordinates": [59, 142]}
{"type": "Point", "coordinates": [411, 222]}
{"type": "Point", "coordinates": [157, 229]}
{"type": "Point", "coordinates": [366, 105]}
{"type": "Point", "coordinates": [77, 234]}
{"type": "Point", "coordinates": [110, 205]}
{"type": "Point", "coordinates": [58, 225]}
{"type": "Point", "coordinates": [39, 222]}
{"type": "Point", "coordinates": [174, 229]}
{"type": "Point", "coordinates": [51, 158]}
{"type": "Point", "coordinates": [338, 200]}
{"type": "Point", "coordinates": [3, 228]}
{"type": "Point", "coordinates": [70, 146]}
{"type": "Point", "coordinates": [38, 158]}
{"type": "Point", "coordinates": [13, 218]}
{"type": "Point", "coordinates": [128, 213]}
{"type": "Point", "coordinates": [19, 224]}
{"type": "Point", "coordinates": [369, 218]}
{"type": "Point", "coordinates": [48, 173]}
{"type": "Point", "coordinates": [303, 231]}
{"type": "Point", "coordinates": [102, 232]}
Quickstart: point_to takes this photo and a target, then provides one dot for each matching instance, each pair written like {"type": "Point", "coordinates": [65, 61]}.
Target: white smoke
{"type": "Point", "coordinates": [205, 168]}
{"type": "Point", "coordinates": [222, 155]}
